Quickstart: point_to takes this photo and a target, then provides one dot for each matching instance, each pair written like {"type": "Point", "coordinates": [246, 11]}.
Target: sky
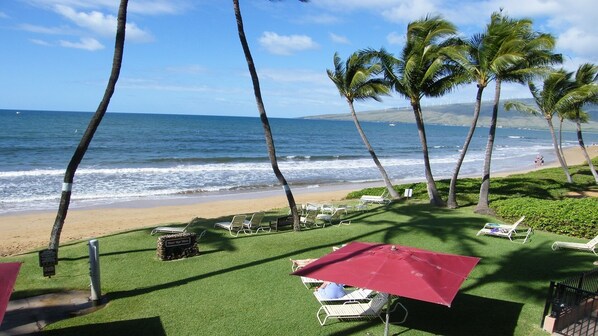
{"type": "Point", "coordinates": [184, 56]}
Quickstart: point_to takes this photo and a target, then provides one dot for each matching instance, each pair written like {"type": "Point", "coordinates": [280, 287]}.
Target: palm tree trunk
{"type": "Point", "coordinates": [584, 150]}
{"type": "Point", "coordinates": [392, 192]}
{"type": "Point", "coordinates": [558, 153]}
{"type": "Point", "coordinates": [452, 196]}
{"type": "Point", "coordinates": [561, 119]}
{"type": "Point", "coordinates": [483, 201]}
{"type": "Point", "coordinates": [431, 184]}
{"type": "Point", "coordinates": [264, 118]}
{"type": "Point", "coordinates": [94, 123]}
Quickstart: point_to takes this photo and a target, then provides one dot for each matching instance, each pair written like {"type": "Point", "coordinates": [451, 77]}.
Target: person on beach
{"type": "Point", "coordinates": [539, 161]}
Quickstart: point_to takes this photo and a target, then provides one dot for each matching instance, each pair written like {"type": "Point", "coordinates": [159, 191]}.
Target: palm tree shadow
{"type": "Point", "coordinates": [469, 315]}
{"type": "Point", "coordinates": [143, 326]}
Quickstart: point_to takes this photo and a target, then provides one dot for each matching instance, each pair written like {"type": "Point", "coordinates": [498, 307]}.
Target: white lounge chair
{"type": "Point", "coordinates": [334, 217]}
{"type": "Point", "coordinates": [353, 309]}
{"type": "Point", "coordinates": [504, 230]}
{"type": "Point", "coordinates": [327, 208]}
{"type": "Point", "coordinates": [358, 294]}
{"type": "Point", "coordinates": [170, 229]}
{"type": "Point", "coordinates": [254, 222]}
{"type": "Point", "coordinates": [589, 246]}
{"type": "Point", "coordinates": [382, 199]}
{"type": "Point", "coordinates": [297, 264]}
{"type": "Point", "coordinates": [236, 225]}
{"type": "Point", "coordinates": [309, 220]}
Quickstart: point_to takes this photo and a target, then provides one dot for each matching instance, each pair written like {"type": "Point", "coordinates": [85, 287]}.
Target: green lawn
{"type": "Point", "coordinates": [242, 286]}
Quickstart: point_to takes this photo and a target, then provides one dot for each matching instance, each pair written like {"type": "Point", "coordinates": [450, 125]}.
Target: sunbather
{"type": "Point", "coordinates": [331, 290]}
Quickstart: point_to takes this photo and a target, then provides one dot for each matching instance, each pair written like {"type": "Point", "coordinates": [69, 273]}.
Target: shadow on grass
{"type": "Point", "coordinates": [106, 254]}
{"type": "Point", "coordinates": [140, 291]}
{"type": "Point", "coordinates": [144, 326]}
{"type": "Point", "coordinates": [469, 315]}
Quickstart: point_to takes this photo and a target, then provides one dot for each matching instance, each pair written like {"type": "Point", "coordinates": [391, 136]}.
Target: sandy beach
{"type": "Point", "coordinates": [31, 231]}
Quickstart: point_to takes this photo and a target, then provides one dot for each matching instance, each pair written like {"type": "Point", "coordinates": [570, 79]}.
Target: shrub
{"type": "Point", "coordinates": [572, 216]}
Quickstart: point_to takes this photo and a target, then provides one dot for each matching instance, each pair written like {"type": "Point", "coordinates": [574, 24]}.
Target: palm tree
{"type": "Point", "coordinates": [424, 70]}
{"type": "Point", "coordinates": [531, 52]}
{"type": "Point", "coordinates": [354, 81]}
{"type": "Point", "coordinates": [554, 98]}
{"type": "Point", "coordinates": [95, 121]}
{"type": "Point", "coordinates": [484, 55]}
{"type": "Point", "coordinates": [585, 80]}
{"type": "Point", "coordinates": [264, 118]}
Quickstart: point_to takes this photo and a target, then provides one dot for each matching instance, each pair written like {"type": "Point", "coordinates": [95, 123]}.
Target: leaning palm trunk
{"type": "Point", "coordinates": [95, 121]}
{"type": "Point", "coordinates": [584, 150]}
{"type": "Point", "coordinates": [452, 196]}
{"type": "Point", "coordinates": [431, 184]}
{"type": "Point", "coordinates": [561, 140]}
{"type": "Point", "coordinates": [264, 118]}
{"type": "Point", "coordinates": [392, 192]}
{"type": "Point", "coordinates": [557, 151]}
{"type": "Point", "coordinates": [483, 201]}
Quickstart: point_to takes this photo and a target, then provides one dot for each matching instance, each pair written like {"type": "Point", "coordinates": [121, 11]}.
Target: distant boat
{"type": "Point", "coordinates": [18, 112]}
{"type": "Point", "coordinates": [391, 124]}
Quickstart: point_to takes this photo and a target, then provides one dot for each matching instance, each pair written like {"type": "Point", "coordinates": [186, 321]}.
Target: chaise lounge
{"type": "Point", "coordinates": [589, 246]}
{"type": "Point", "coordinates": [170, 229]}
{"type": "Point", "coordinates": [504, 230]}
{"type": "Point", "coordinates": [353, 309]}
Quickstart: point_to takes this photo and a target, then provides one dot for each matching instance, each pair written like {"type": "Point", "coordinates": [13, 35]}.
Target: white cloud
{"type": "Point", "coordinates": [286, 45]}
{"type": "Point", "coordinates": [395, 38]}
{"type": "Point", "coordinates": [409, 10]}
{"type": "Point", "coordinates": [44, 30]}
{"type": "Point", "coordinates": [41, 42]}
{"type": "Point", "coordinates": [101, 24]}
{"type": "Point", "coordinates": [3, 15]}
{"type": "Point", "coordinates": [294, 76]}
{"type": "Point", "coordinates": [85, 43]}
{"type": "Point", "coordinates": [146, 7]}
{"type": "Point", "coordinates": [580, 42]}
{"type": "Point", "coordinates": [339, 39]}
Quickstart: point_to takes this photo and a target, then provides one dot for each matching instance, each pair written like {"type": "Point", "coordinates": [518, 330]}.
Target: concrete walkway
{"type": "Point", "coordinates": [29, 316]}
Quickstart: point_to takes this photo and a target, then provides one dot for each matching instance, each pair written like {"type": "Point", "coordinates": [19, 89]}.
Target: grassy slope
{"type": "Point", "coordinates": [242, 286]}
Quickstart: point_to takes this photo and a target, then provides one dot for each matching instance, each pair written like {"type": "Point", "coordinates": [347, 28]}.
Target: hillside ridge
{"type": "Point", "coordinates": [460, 114]}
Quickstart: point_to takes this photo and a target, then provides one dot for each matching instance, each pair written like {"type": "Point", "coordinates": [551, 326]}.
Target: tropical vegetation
{"type": "Point", "coordinates": [355, 80]}
{"type": "Point", "coordinates": [423, 69]}
{"type": "Point", "coordinates": [528, 53]}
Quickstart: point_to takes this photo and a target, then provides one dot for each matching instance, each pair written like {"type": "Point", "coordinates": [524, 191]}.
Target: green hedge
{"type": "Point", "coordinates": [570, 216]}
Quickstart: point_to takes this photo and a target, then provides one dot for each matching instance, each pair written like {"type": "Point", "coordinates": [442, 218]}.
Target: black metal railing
{"type": "Point", "coordinates": [574, 304]}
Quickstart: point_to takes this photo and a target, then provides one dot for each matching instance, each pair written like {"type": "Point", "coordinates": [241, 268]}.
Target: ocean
{"type": "Point", "coordinates": [158, 156]}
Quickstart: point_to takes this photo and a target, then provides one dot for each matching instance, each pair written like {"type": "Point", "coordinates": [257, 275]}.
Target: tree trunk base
{"type": "Point", "coordinates": [485, 211]}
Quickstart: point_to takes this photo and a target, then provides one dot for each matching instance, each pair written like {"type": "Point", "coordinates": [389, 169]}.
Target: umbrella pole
{"type": "Point", "coordinates": [387, 324]}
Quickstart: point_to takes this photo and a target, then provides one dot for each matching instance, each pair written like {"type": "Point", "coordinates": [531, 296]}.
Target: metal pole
{"type": "Point", "coordinates": [94, 270]}
{"type": "Point", "coordinates": [387, 324]}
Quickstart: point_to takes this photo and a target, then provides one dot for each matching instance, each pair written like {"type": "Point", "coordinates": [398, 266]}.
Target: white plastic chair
{"type": "Point", "coordinates": [236, 225]}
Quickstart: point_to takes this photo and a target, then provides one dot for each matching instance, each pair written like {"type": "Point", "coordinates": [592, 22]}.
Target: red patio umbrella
{"type": "Point", "coordinates": [8, 275]}
{"type": "Point", "coordinates": [398, 270]}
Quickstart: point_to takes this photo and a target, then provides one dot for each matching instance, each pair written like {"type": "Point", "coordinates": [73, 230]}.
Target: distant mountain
{"type": "Point", "coordinates": [460, 115]}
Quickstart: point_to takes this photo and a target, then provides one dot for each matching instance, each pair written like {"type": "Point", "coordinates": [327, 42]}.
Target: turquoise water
{"type": "Point", "coordinates": [152, 156]}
